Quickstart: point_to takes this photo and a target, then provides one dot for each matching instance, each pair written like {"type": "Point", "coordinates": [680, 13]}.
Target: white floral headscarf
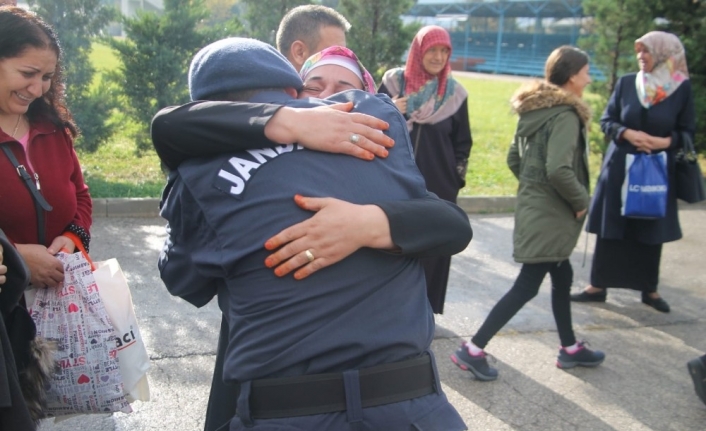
{"type": "Point", "coordinates": [669, 69]}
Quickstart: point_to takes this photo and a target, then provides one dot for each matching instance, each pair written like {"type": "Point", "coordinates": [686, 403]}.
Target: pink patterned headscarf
{"type": "Point", "coordinates": [415, 76]}
{"type": "Point", "coordinates": [430, 98]}
{"type": "Point", "coordinates": [340, 56]}
{"type": "Point", "coordinates": [669, 70]}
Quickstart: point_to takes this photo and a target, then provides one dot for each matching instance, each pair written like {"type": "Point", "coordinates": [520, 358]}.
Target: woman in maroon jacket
{"type": "Point", "coordinates": [45, 205]}
{"type": "Point", "coordinates": [37, 134]}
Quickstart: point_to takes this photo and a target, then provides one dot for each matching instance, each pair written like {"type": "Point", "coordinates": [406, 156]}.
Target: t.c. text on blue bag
{"type": "Point", "coordinates": [645, 186]}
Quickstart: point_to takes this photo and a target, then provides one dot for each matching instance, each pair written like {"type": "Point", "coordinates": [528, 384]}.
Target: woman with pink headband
{"type": "Point", "coordinates": [349, 72]}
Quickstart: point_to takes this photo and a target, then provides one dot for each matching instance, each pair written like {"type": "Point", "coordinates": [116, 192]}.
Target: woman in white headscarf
{"type": "Point", "coordinates": [649, 111]}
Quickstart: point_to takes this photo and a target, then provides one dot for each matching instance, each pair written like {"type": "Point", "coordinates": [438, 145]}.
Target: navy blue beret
{"type": "Point", "coordinates": [236, 64]}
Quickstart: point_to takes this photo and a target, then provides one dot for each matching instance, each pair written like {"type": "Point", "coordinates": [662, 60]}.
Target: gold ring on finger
{"type": "Point", "coordinates": [309, 255]}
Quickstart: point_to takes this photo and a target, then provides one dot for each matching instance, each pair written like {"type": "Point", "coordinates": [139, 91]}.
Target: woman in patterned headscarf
{"type": "Point", "coordinates": [353, 76]}
{"type": "Point", "coordinates": [436, 108]}
{"type": "Point", "coordinates": [649, 111]}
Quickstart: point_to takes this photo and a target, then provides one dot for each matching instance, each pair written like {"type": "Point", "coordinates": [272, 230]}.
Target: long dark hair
{"type": "Point", "coordinates": [20, 30]}
{"type": "Point", "coordinates": [563, 63]}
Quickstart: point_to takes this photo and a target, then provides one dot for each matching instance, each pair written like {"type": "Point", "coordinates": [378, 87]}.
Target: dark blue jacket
{"type": "Point", "coordinates": [670, 117]}
{"type": "Point", "coordinates": [368, 309]}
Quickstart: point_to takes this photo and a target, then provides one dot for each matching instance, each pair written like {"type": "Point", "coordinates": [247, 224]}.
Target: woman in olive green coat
{"type": "Point", "coordinates": [549, 158]}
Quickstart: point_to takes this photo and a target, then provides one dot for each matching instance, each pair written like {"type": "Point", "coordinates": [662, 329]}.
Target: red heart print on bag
{"type": "Point", "coordinates": [83, 379]}
{"type": "Point", "coordinates": [73, 308]}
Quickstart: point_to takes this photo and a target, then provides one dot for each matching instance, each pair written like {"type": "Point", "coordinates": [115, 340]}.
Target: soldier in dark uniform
{"type": "Point", "coordinates": [346, 347]}
{"type": "Point", "coordinates": [423, 228]}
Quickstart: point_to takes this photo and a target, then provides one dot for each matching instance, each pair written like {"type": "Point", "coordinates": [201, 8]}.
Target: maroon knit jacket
{"type": "Point", "coordinates": [54, 160]}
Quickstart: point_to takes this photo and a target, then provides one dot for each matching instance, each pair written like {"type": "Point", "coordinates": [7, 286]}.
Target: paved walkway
{"type": "Point", "coordinates": [643, 384]}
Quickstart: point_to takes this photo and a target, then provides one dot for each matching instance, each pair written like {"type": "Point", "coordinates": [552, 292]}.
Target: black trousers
{"type": "Point", "coordinates": [222, 398]}
{"type": "Point", "coordinates": [525, 288]}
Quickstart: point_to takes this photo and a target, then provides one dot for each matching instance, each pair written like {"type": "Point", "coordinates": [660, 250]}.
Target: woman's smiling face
{"type": "Point", "coordinates": [329, 79]}
{"type": "Point", "coordinates": [644, 58]}
{"type": "Point", "coordinates": [435, 59]}
{"type": "Point", "coordinates": [25, 78]}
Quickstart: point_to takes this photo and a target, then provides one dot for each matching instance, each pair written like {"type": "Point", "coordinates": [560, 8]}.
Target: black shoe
{"type": "Point", "coordinates": [697, 370]}
{"type": "Point", "coordinates": [658, 304]}
{"type": "Point", "coordinates": [589, 297]}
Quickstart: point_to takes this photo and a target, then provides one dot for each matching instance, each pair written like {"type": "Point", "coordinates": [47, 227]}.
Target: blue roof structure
{"type": "Point", "coordinates": [507, 36]}
{"type": "Point", "coordinates": [509, 8]}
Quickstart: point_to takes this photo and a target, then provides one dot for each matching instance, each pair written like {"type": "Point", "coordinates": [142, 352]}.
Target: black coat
{"type": "Point", "coordinates": [670, 117]}
{"type": "Point", "coordinates": [440, 149]}
{"type": "Point", "coordinates": [16, 330]}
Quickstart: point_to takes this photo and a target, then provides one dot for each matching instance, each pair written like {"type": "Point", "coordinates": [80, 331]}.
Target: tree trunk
{"type": "Point", "coordinates": [616, 59]}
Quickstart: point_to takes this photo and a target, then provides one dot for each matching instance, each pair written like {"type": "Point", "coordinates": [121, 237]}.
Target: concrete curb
{"type": "Point", "coordinates": [126, 207]}
{"type": "Point", "coordinates": [149, 207]}
{"type": "Point", "coordinates": [487, 204]}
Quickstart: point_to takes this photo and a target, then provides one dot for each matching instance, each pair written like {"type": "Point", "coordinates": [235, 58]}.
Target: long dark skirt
{"type": "Point", "coordinates": [626, 263]}
{"type": "Point", "coordinates": [436, 270]}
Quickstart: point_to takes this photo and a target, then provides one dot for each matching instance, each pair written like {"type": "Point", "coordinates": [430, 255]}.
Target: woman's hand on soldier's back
{"type": "Point", "coordinates": [329, 129]}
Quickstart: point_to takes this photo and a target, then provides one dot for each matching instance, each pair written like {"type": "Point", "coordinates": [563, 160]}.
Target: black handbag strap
{"type": "Point", "coordinates": [687, 143]}
{"type": "Point", "coordinates": [40, 204]}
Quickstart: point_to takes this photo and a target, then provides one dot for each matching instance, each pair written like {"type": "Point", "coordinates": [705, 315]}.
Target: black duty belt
{"type": "Point", "coordinates": [325, 393]}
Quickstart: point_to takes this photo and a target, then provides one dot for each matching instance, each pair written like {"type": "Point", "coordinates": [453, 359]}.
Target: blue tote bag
{"type": "Point", "coordinates": [645, 186]}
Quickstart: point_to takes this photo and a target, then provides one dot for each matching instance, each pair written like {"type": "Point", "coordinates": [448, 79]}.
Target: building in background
{"type": "Point", "coordinates": [130, 8]}
{"type": "Point", "coordinates": [504, 36]}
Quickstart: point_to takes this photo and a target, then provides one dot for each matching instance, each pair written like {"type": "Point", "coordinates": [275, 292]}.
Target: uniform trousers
{"type": "Point", "coordinates": [221, 400]}
{"type": "Point", "coordinates": [431, 412]}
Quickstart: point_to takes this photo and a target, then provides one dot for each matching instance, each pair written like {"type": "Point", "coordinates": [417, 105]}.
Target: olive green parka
{"type": "Point", "coordinates": [549, 158]}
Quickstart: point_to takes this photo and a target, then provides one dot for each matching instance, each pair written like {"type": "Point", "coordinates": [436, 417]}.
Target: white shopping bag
{"type": "Point", "coordinates": [87, 377]}
{"type": "Point", "coordinates": [134, 361]}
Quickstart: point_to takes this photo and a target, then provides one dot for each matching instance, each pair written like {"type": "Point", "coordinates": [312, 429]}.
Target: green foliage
{"type": "Point", "coordinates": [155, 59]}
{"type": "Point", "coordinates": [114, 171]}
{"type": "Point", "coordinates": [104, 59]}
{"type": "Point", "coordinates": [377, 34]}
{"type": "Point", "coordinates": [333, 4]}
{"type": "Point", "coordinates": [597, 140]}
{"type": "Point", "coordinates": [96, 125]}
{"type": "Point", "coordinates": [687, 19]}
{"type": "Point", "coordinates": [611, 35]}
{"type": "Point", "coordinates": [264, 16]}
{"type": "Point", "coordinates": [223, 17]}
{"type": "Point", "coordinates": [617, 23]}
{"type": "Point", "coordinates": [76, 23]}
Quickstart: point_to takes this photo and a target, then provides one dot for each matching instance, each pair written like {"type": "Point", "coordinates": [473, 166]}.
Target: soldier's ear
{"type": "Point", "coordinates": [298, 53]}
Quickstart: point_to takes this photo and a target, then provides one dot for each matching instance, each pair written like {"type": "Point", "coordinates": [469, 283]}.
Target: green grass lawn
{"type": "Point", "coordinates": [103, 58]}
{"type": "Point", "coordinates": [492, 128]}
{"type": "Point", "coordinates": [116, 171]}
